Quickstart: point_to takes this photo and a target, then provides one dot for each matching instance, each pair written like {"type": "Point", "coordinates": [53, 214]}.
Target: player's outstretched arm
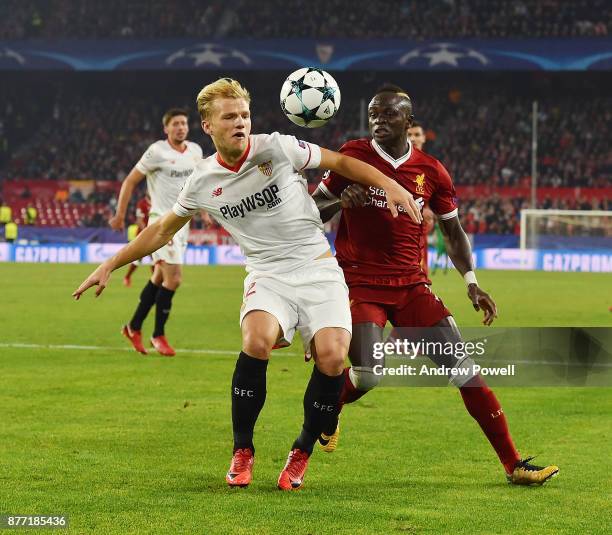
{"type": "Point", "coordinates": [364, 173]}
{"type": "Point", "coordinates": [460, 252]}
{"type": "Point", "coordinates": [117, 222]}
{"type": "Point", "coordinates": [148, 241]}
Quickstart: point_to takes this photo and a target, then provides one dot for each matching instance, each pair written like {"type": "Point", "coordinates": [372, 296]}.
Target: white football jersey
{"type": "Point", "coordinates": [167, 169]}
{"type": "Point", "coordinates": [263, 202]}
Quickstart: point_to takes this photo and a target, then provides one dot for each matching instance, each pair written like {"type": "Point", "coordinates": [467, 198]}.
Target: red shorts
{"type": "Point", "coordinates": [405, 306]}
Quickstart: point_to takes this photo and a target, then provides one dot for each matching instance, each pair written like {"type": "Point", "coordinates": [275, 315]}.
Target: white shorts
{"type": "Point", "coordinates": [307, 299]}
{"type": "Point", "coordinates": [174, 251]}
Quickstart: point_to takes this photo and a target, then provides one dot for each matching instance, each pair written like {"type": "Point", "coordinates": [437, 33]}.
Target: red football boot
{"type": "Point", "coordinates": [292, 476]}
{"type": "Point", "coordinates": [127, 282]}
{"type": "Point", "coordinates": [240, 472]}
{"type": "Point", "coordinates": [163, 347]}
{"type": "Point", "coordinates": [135, 338]}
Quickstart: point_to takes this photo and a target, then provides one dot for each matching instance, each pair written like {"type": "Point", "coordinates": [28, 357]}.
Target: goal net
{"type": "Point", "coordinates": [566, 229]}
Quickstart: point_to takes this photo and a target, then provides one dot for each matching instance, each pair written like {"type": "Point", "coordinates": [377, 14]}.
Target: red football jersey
{"type": "Point", "coordinates": [143, 207]}
{"type": "Point", "coordinates": [371, 246]}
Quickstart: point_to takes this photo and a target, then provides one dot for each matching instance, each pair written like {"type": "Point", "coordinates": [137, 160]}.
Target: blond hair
{"type": "Point", "coordinates": [222, 88]}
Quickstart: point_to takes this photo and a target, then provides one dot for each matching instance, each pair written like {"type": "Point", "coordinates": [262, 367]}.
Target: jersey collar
{"type": "Point", "coordinates": [395, 163]}
{"type": "Point", "coordinates": [177, 150]}
{"type": "Point", "coordinates": [239, 163]}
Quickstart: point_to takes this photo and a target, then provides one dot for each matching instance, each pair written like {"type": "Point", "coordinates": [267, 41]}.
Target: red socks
{"type": "Point", "coordinates": [483, 406]}
{"type": "Point", "coordinates": [349, 392]}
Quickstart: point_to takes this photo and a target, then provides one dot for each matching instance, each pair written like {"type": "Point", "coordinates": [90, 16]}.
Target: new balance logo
{"type": "Point", "coordinates": [217, 192]}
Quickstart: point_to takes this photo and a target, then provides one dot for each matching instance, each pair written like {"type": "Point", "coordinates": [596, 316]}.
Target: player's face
{"type": "Point", "coordinates": [177, 129]}
{"type": "Point", "coordinates": [229, 124]}
{"type": "Point", "coordinates": [388, 118]}
{"type": "Point", "coordinates": [417, 136]}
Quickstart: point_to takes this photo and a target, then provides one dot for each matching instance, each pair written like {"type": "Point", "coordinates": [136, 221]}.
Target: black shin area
{"type": "Point", "coordinates": [147, 300]}
{"type": "Point", "coordinates": [248, 398]}
{"type": "Point", "coordinates": [321, 405]}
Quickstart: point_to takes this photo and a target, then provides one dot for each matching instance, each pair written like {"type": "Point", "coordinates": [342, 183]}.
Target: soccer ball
{"type": "Point", "coordinates": [310, 97]}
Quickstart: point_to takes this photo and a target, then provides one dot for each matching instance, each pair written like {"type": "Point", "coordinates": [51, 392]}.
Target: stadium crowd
{"type": "Point", "coordinates": [123, 19]}
{"type": "Point", "coordinates": [79, 129]}
{"type": "Point", "coordinates": [481, 141]}
{"type": "Point", "coordinates": [488, 141]}
{"type": "Point", "coordinates": [501, 215]}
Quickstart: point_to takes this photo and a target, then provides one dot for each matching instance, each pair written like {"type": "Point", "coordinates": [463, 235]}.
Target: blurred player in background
{"type": "Point", "coordinates": [166, 164]}
{"type": "Point", "coordinates": [416, 135]}
{"type": "Point", "coordinates": [253, 188]}
{"type": "Point", "coordinates": [381, 259]}
{"type": "Point", "coordinates": [143, 207]}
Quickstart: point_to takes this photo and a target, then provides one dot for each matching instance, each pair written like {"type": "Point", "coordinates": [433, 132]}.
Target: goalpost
{"type": "Point", "coordinates": [566, 229]}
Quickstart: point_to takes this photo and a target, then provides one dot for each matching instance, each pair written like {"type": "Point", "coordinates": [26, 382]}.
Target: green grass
{"type": "Point", "coordinates": [127, 444]}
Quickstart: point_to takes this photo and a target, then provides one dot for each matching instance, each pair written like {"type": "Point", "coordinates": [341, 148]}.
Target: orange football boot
{"type": "Point", "coordinates": [135, 338]}
{"type": "Point", "coordinates": [292, 476]}
{"type": "Point", "coordinates": [162, 346]}
{"type": "Point", "coordinates": [240, 472]}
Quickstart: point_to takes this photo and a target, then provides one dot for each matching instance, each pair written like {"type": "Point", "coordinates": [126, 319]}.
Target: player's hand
{"type": "Point", "coordinates": [354, 196]}
{"type": "Point", "coordinates": [207, 220]}
{"type": "Point", "coordinates": [398, 196]}
{"type": "Point", "coordinates": [481, 300]}
{"type": "Point", "coordinates": [98, 278]}
{"type": "Point", "coordinates": [117, 222]}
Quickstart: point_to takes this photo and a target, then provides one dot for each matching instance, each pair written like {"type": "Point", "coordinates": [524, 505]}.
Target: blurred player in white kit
{"type": "Point", "coordinates": [166, 165]}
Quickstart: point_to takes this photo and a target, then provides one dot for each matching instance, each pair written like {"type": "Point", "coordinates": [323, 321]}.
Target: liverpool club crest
{"type": "Point", "coordinates": [420, 184]}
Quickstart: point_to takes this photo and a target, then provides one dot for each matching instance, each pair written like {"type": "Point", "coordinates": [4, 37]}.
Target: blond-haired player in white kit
{"type": "Point", "coordinates": [253, 187]}
{"type": "Point", "coordinates": [166, 164]}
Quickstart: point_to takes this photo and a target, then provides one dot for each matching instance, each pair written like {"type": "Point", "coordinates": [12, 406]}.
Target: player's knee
{"type": "Point", "coordinates": [331, 351]}
{"type": "Point", "coordinates": [364, 378]}
{"type": "Point", "coordinates": [172, 283]}
{"type": "Point", "coordinates": [330, 359]}
{"type": "Point", "coordinates": [330, 364]}
{"type": "Point", "coordinates": [257, 345]}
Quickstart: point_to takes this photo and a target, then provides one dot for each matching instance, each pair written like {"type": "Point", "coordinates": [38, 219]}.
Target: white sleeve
{"type": "Point", "coordinates": [187, 203]}
{"type": "Point", "coordinates": [301, 154]}
{"type": "Point", "coordinates": [149, 162]}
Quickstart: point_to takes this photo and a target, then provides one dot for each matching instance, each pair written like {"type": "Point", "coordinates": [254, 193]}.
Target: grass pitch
{"type": "Point", "coordinates": [129, 444]}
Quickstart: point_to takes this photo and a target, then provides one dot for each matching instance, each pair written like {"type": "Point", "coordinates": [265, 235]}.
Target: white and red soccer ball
{"type": "Point", "coordinates": [310, 97]}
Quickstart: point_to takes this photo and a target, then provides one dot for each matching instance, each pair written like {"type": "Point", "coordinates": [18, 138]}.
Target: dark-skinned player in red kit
{"type": "Point", "coordinates": [381, 260]}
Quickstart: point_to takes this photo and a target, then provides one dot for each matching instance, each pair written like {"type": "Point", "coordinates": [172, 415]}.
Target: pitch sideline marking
{"type": "Point", "coordinates": [19, 345]}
